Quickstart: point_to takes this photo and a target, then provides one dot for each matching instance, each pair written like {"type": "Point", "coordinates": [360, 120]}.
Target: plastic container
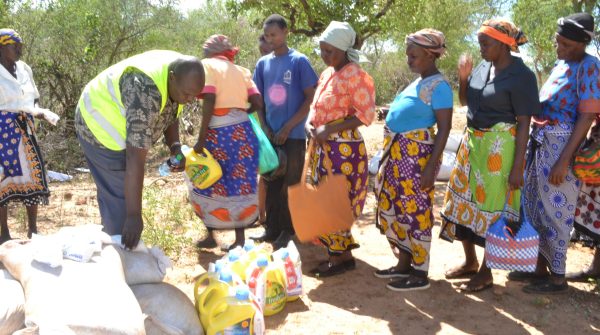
{"type": "Point", "coordinates": [164, 169]}
{"type": "Point", "coordinates": [201, 169]}
{"type": "Point", "coordinates": [248, 255]}
{"type": "Point", "coordinates": [293, 275]}
{"type": "Point", "coordinates": [256, 281]}
{"type": "Point", "coordinates": [211, 276]}
{"type": "Point", "coordinates": [235, 315]}
{"type": "Point", "coordinates": [214, 292]}
{"type": "Point", "coordinates": [275, 293]}
{"type": "Point", "coordinates": [236, 263]}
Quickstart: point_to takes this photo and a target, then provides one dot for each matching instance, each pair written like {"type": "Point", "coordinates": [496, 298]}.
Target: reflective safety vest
{"type": "Point", "coordinates": [100, 104]}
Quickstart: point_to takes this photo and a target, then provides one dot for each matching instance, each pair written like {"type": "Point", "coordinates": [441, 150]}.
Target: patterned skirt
{"type": "Point", "coordinates": [478, 185]}
{"type": "Point", "coordinates": [348, 156]}
{"type": "Point", "coordinates": [550, 208]}
{"type": "Point", "coordinates": [404, 212]}
{"type": "Point", "coordinates": [231, 202]}
{"type": "Point", "coordinates": [587, 216]}
{"type": "Point", "coordinates": [24, 175]}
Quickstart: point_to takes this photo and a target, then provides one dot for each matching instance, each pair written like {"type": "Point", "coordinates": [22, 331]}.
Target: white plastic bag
{"type": "Point", "coordinates": [12, 304]}
{"type": "Point", "coordinates": [168, 310]}
{"type": "Point", "coordinates": [374, 162]}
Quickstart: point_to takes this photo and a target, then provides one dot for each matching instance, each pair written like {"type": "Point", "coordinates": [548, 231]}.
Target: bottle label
{"type": "Point", "coordinates": [242, 328]}
{"type": "Point", "coordinates": [275, 297]}
{"type": "Point", "coordinates": [198, 173]}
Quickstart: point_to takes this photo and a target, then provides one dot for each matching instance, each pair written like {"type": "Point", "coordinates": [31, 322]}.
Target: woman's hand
{"type": "Point", "coordinates": [558, 172]}
{"type": "Point", "coordinates": [465, 67]}
{"type": "Point", "coordinates": [428, 178]}
{"type": "Point", "coordinates": [320, 134]}
{"type": "Point", "coordinates": [515, 178]}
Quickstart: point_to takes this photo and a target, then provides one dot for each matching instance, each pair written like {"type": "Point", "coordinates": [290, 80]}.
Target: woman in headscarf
{"type": "Point", "coordinates": [227, 133]}
{"type": "Point", "coordinates": [344, 100]}
{"type": "Point", "coordinates": [501, 95]}
{"type": "Point", "coordinates": [412, 152]}
{"type": "Point", "coordinates": [570, 101]}
{"type": "Point", "coordinates": [22, 174]}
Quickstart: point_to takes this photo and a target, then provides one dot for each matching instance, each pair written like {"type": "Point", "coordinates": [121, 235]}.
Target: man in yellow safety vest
{"type": "Point", "coordinates": [120, 115]}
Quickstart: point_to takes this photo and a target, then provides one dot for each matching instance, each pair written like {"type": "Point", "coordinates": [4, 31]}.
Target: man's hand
{"type": "Point", "coordinates": [132, 231]}
{"type": "Point", "coordinates": [281, 136]}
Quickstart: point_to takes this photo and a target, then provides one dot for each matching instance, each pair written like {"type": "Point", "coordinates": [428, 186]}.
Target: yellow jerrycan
{"type": "Point", "coordinates": [235, 315]}
{"type": "Point", "coordinates": [275, 289]}
{"type": "Point", "coordinates": [207, 279]}
{"type": "Point", "coordinates": [213, 293]}
{"type": "Point", "coordinates": [203, 170]}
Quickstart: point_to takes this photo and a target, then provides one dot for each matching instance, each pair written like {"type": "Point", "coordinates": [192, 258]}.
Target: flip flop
{"type": "Point", "coordinates": [546, 288]}
{"type": "Point", "coordinates": [484, 286]}
{"type": "Point", "coordinates": [460, 273]}
{"type": "Point", "coordinates": [582, 276]}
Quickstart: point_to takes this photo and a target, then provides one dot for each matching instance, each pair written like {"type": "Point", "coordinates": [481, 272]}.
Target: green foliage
{"type": "Point", "coordinates": [537, 19]}
{"type": "Point", "coordinates": [168, 221]}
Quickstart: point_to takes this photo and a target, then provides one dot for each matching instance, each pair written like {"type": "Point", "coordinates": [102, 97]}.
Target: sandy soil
{"type": "Point", "coordinates": [359, 303]}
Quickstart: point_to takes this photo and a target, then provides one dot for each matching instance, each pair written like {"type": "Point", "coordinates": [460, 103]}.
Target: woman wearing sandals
{"type": "Point", "coordinates": [501, 95]}
{"type": "Point", "coordinates": [344, 100]}
{"type": "Point", "coordinates": [412, 152]}
{"type": "Point", "coordinates": [570, 101]}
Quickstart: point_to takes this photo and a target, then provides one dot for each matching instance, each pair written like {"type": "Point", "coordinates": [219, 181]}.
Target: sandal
{"type": "Point", "coordinates": [333, 270]}
{"type": "Point", "coordinates": [546, 287]}
{"type": "Point", "coordinates": [523, 276]}
{"type": "Point", "coordinates": [461, 272]}
{"type": "Point", "coordinates": [582, 276]}
{"type": "Point", "coordinates": [207, 243]}
{"type": "Point", "coordinates": [472, 289]}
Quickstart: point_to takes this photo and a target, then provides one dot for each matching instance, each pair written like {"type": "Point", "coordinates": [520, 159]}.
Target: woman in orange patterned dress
{"type": "Point", "coordinates": [344, 100]}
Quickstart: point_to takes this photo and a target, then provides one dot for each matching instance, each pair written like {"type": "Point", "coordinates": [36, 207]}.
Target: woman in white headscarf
{"type": "Point", "coordinates": [344, 100]}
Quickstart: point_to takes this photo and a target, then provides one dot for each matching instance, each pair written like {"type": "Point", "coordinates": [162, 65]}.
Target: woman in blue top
{"type": "Point", "coordinates": [412, 151]}
{"type": "Point", "coordinates": [570, 101]}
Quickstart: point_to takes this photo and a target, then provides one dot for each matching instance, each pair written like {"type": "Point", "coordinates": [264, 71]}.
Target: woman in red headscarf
{"type": "Point", "coordinates": [227, 133]}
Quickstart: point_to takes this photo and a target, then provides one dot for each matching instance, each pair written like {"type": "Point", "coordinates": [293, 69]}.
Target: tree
{"type": "Point", "coordinates": [311, 17]}
{"type": "Point", "coordinates": [538, 19]}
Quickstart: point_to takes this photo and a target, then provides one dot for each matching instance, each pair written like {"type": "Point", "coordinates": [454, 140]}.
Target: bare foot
{"type": "Point", "coordinates": [463, 270]}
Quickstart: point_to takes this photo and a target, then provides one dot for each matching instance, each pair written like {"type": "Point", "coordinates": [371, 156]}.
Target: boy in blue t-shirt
{"type": "Point", "coordinates": [287, 82]}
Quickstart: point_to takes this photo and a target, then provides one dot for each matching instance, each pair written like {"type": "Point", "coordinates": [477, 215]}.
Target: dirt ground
{"type": "Point", "coordinates": [357, 302]}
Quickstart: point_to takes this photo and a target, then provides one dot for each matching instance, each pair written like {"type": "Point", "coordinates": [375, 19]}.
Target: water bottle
{"type": "Point", "coordinates": [164, 169]}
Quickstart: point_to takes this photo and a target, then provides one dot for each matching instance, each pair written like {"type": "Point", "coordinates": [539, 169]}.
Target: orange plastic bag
{"type": "Point", "coordinates": [321, 209]}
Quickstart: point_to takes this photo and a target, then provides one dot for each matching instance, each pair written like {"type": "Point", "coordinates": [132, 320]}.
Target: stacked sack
{"type": "Point", "coordinates": [246, 285]}
{"type": "Point", "coordinates": [79, 281]}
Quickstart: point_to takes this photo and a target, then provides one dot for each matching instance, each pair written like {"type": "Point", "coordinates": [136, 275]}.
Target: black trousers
{"type": "Point", "coordinates": [276, 205]}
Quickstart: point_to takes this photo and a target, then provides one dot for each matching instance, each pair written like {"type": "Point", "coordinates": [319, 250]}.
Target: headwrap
{"type": "Point", "coordinates": [577, 27]}
{"type": "Point", "coordinates": [219, 45]}
{"type": "Point", "coordinates": [9, 36]}
{"type": "Point", "coordinates": [505, 32]}
{"type": "Point", "coordinates": [433, 41]}
{"type": "Point", "coordinates": [342, 36]}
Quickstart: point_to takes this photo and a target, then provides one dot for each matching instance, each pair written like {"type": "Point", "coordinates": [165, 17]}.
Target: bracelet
{"type": "Point", "coordinates": [174, 144]}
